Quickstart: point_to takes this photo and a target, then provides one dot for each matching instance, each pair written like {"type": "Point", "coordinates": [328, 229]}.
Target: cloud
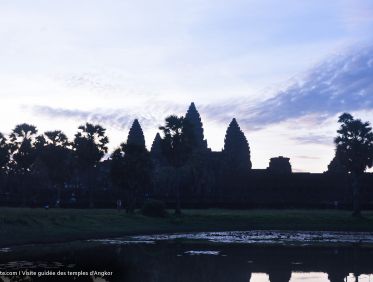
{"type": "Point", "coordinates": [117, 119]}
{"type": "Point", "coordinates": [341, 83]}
{"type": "Point", "coordinates": [307, 157]}
{"type": "Point", "coordinates": [91, 81]}
{"type": "Point", "coordinates": [150, 117]}
{"type": "Point", "coordinates": [314, 139]}
{"type": "Point", "coordinates": [299, 170]}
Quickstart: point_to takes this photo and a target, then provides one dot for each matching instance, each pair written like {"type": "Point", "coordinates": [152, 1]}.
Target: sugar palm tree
{"type": "Point", "coordinates": [90, 146]}
{"type": "Point", "coordinates": [54, 151]}
{"type": "Point", "coordinates": [354, 149]}
{"type": "Point", "coordinates": [177, 144]}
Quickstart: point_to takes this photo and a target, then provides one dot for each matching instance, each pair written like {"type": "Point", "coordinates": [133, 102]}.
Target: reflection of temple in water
{"type": "Point", "coordinates": [243, 263]}
{"type": "Point", "coordinates": [310, 276]}
{"type": "Point", "coordinates": [173, 262]}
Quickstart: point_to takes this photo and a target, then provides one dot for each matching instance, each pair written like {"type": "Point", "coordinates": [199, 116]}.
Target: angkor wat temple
{"type": "Point", "coordinates": [208, 179]}
{"type": "Point", "coordinates": [226, 178]}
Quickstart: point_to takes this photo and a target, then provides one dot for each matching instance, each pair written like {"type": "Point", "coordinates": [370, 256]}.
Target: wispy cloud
{"type": "Point", "coordinates": [150, 117]}
{"type": "Point", "coordinates": [314, 139]}
{"type": "Point", "coordinates": [342, 83]}
{"type": "Point", "coordinates": [117, 119]}
{"type": "Point", "coordinates": [307, 157]}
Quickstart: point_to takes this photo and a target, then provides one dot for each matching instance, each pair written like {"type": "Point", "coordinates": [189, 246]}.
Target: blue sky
{"type": "Point", "coordinates": [284, 69]}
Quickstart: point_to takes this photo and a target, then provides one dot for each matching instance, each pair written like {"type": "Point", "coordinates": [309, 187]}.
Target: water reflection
{"type": "Point", "coordinates": [180, 261]}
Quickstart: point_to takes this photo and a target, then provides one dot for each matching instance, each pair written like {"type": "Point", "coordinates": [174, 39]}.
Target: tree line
{"type": "Point", "coordinates": [27, 157]}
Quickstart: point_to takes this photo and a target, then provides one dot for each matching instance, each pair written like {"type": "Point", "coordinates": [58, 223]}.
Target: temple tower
{"type": "Point", "coordinates": [236, 148]}
{"type": "Point", "coordinates": [193, 117]}
{"type": "Point", "coordinates": [136, 135]}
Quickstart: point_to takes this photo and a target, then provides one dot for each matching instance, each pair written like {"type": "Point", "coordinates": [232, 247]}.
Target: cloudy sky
{"type": "Point", "coordinates": [285, 69]}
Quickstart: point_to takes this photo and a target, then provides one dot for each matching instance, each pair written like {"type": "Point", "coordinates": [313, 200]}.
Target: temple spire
{"type": "Point", "coordinates": [236, 147]}
{"type": "Point", "coordinates": [156, 146]}
{"type": "Point", "coordinates": [193, 117]}
{"type": "Point", "coordinates": [136, 135]}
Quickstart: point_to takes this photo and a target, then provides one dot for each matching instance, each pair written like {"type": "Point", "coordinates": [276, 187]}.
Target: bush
{"type": "Point", "coordinates": [154, 208]}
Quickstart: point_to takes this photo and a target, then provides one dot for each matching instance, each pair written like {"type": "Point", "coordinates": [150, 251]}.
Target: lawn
{"type": "Point", "coordinates": [24, 225]}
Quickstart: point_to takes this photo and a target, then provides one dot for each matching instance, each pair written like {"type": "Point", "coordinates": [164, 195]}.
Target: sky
{"type": "Point", "coordinates": [284, 69]}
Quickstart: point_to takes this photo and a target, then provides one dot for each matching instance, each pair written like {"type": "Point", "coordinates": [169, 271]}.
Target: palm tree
{"type": "Point", "coordinates": [354, 151]}
{"type": "Point", "coordinates": [57, 138]}
{"type": "Point", "coordinates": [90, 146]}
{"type": "Point", "coordinates": [4, 157]}
{"type": "Point", "coordinates": [4, 152]}
{"type": "Point", "coordinates": [177, 144]}
{"type": "Point", "coordinates": [54, 151]}
{"type": "Point", "coordinates": [22, 146]}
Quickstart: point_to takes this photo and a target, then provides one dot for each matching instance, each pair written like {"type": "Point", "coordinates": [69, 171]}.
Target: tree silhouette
{"type": "Point", "coordinates": [335, 167]}
{"type": "Point", "coordinates": [90, 146]}
{"type": "Point", "coordinates": [4, 153]}
{"type": "Point", "coordinates": [4, 158]}
{"type": "Point", "coordinates": [177, 145]}
{"type": "Point", "coordinates": [131, 166]}
{"type": "Point", "coordinates": [57, 138]}
{"type": "Point", "coordinates": [22, 140]}
{"type": "Point", "coordinates": [54, 150]}
{"type": "Point", "coordinates": [22, 146]}
{"type": "Point", "coordinates": [354, 149]}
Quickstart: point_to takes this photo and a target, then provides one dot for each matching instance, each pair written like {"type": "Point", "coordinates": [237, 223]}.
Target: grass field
{"type": "Point", "coordinates": [24, 225]}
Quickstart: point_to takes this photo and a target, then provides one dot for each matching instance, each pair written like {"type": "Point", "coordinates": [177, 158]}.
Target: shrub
{"type": "Point", "coordinates": [154, 208]}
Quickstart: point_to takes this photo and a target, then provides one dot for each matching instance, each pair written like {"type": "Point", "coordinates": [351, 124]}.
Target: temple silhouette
{"type": "Point", "coordinates": [223, 179]}
{"type": "Point", "coordinates": [226, 178]}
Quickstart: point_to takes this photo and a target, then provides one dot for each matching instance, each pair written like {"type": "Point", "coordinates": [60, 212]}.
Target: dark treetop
{"type": "Point", "coordinates": [354, 144]}
{"type": "Point", "coordinates": [23, 147]}
{"type": "Point", "coordinates": [4, 151]}
{"type": "Point", "coordinates": [335, 167]}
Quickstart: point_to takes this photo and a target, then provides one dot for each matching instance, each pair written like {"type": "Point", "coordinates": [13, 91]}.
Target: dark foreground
{"type": "Point", "coordinates": [23, 225]}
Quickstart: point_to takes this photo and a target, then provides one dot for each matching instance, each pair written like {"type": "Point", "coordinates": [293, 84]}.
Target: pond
{"type": "Point", "coordinates": [255, 256]}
